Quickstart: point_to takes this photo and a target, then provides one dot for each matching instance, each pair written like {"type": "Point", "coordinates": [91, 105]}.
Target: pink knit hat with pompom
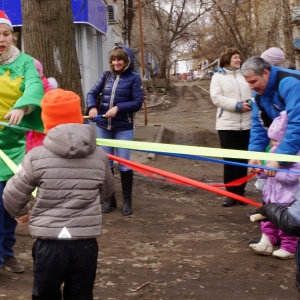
{"type": "Point", "coordinates": [39, 67]}
{"type": "Point", "coordinates": [273, 55]}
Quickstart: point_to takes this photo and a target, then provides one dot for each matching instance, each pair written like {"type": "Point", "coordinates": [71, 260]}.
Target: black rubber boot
{"type": "Point", "coordinates": [127, 181]}
{"type": "Point", "coordinates": [112, 203]}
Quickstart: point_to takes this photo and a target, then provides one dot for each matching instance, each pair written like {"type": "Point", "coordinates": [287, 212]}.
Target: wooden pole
{"type": "Point", "coordinates": [142, 57]}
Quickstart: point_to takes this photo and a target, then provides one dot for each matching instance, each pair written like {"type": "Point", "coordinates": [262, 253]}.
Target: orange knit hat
{"type": "Point", "coordinates": [60, 107]}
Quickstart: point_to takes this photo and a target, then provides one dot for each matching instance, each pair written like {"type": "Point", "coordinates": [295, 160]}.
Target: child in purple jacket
{"type": "Point", "coordinates": [280, 189]}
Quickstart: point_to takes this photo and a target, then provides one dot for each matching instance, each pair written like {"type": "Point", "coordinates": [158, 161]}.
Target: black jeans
{"type": "Point", "coordinates": [72, 262]}
{"type": "Point", "coordinates": [238, 140]}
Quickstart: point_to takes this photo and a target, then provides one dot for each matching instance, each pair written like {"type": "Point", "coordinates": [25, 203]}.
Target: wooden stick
{"type": "Point", "coordinates": [140, 287]}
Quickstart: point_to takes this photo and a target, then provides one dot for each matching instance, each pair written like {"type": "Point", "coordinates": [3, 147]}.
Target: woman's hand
{"type": "Point", "coordinates": [93, 113]}
{"type": "Point", "coordinates": [245, 107]}
{"type": "Point", "coordinates": [111, 113]}
{"type": "Point", "coordinates": [15, 116]}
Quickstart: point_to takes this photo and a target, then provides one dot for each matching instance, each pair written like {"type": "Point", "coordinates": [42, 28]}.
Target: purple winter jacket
{"type": "Point", "coordinates": [283, 187]}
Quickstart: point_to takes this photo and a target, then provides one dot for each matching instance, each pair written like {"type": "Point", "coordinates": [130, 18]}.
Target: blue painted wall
{"type": "Point", "coordinates": [93, 13]}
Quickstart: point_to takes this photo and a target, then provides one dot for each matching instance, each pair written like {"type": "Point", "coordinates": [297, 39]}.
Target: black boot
{"type": "Point", "coordinates": [127, 180]}
{"type": "Point", "coordinates": [112, 203]}
{"type": "Point", "coordinates": [229, 202]}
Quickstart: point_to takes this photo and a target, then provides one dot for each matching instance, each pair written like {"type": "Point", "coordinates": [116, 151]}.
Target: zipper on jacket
{"type": "Point", "coordinates": [221, 113]}
{"type": "Point", "coordinates": [128, 118]}
{"type": "Point", "coordinates": [111, 101]}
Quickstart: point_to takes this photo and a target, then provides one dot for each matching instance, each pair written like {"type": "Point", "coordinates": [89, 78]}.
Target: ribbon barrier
{"type": "Point", "coordinates": [171, 177]}
{"type": "Point", "coordinates": [197, 151]}
{"type": "Point", "coordinates": [181, 179]}
{"type": "Point", "coordinates": [173, 149]}
{"type": "Point", "coordinates": [227, 162]}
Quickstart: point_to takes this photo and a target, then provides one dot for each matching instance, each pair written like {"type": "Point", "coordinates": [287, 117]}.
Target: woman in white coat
{"type": "Point", "coordinates": [231, 94]}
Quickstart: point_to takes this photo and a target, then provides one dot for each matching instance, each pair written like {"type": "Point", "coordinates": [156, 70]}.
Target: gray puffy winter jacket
{"type": "Point", "coordinates": [70, 172]}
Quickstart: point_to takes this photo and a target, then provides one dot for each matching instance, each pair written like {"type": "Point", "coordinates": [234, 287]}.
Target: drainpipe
{"type": "Point", "coordinates": [85, 56]}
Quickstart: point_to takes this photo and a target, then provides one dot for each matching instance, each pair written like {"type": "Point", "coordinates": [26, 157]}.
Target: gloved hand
{"type": "Point", "coordinates": [259, 214]}
{"type": "Point", "coordinates": [261, 210]}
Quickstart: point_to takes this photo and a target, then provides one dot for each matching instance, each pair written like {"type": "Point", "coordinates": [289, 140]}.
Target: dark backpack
{"type": "Point", "coordinates": [264, 116]}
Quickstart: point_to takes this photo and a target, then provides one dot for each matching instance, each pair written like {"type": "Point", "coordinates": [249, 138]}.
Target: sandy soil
{"type": "Point", "coordinates": [179, 243]}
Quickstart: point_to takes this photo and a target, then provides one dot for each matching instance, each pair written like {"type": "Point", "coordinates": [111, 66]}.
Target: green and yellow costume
{"type": "Point", "coordinates": [20, 86]}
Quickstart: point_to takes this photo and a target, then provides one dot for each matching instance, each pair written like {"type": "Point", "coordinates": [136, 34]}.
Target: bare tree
{"type": "Point", "coordinates": [250, 25]}
{"type": "Point", "coordinates": [166, 28]}
{"type": "Point", "coordinates": [48, 32]}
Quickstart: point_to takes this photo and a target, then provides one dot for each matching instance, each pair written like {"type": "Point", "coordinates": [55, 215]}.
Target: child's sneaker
{"type": "Point", "coordinates": [283, 254]}
{"type": "Point", "coordinates": [12, 265]}
{"type": "Point", "coordinates": [264, 247]}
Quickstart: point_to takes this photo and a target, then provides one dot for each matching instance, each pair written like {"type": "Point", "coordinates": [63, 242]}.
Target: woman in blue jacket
{"type": "Point", "coordinates": [122, 96]}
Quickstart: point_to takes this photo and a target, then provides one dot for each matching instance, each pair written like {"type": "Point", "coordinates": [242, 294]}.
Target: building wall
{"type": "Point", "coordinates": [92, 45]}
{"type": "Point", "coordinates": [90, 54]}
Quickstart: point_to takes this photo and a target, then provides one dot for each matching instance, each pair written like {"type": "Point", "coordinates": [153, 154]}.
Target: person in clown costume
{"type": "Point", "coordinates": [21, 91]}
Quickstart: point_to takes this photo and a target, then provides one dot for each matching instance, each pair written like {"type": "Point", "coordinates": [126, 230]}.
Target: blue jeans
{"type": "Point", "coordinates": [120, 152]}
{"type": "Point", "coordinates": [7, 229]}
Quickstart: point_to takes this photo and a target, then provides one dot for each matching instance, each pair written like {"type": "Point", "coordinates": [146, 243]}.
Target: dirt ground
{"type": "Point", "coordinates": [179, 243]}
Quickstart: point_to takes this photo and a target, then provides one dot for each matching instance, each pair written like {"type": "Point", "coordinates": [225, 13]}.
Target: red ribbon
{"type": "Point", "coordinates": [238, 181]}
{"type": "Point", "coordinates": [175, 178]}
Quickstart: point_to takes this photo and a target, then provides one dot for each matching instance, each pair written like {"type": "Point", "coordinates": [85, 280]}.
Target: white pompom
{"type": "Point", "coordinates": [53, 83]}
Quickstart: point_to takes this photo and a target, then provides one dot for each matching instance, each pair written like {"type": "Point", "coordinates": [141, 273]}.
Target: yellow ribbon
{"type": "Point", "coordinates": [198, 151]}
{"type": "Point", "coordinates": [13, 167]}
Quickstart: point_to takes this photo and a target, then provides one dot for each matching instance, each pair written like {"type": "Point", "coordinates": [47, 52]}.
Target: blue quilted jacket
{"type": "Point", "coordinates": [276, 98]}
{"type": "Point", "coordinates": [123, 90]}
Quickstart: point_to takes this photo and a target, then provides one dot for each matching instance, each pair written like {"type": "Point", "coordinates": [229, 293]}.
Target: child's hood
{"type": "Point", "coordinates": [71, 140]}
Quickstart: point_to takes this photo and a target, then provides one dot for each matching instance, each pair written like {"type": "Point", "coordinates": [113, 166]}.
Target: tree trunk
{"type": "Point", "coordinates": [48, 32]}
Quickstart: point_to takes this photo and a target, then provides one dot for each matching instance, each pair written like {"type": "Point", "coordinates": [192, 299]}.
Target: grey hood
{"type": "Point", "coordinates": [71, 140]}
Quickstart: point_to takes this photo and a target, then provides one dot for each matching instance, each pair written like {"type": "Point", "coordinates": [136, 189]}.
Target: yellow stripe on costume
{"type": "Point", "coordinates": [9, 93]}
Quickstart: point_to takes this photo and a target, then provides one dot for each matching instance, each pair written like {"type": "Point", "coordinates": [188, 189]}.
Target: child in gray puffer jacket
{"type": "Point", "coordinates": [72, 175]}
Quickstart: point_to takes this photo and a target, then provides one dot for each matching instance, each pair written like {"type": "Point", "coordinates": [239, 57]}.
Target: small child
{"type": "Point", "coordinates": [34, 138]}
{"type": "Point", "coordinates": [49, 83]}
{"type": "Point", "coordinates": [281, 189]}
{"type": "Point", "coordinates": [70, 172]}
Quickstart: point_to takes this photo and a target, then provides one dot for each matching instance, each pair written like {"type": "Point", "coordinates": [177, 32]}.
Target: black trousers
{"type": "Point", "coordinates": [238, 140]}
{"type": "Point", "coordinates": [72, 262]}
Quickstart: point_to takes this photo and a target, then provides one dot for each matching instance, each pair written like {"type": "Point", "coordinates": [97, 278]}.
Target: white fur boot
{"type": "Point", "coordinates": [264, 247]}
{"type": "Point", "coordinates": [283, 254]}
